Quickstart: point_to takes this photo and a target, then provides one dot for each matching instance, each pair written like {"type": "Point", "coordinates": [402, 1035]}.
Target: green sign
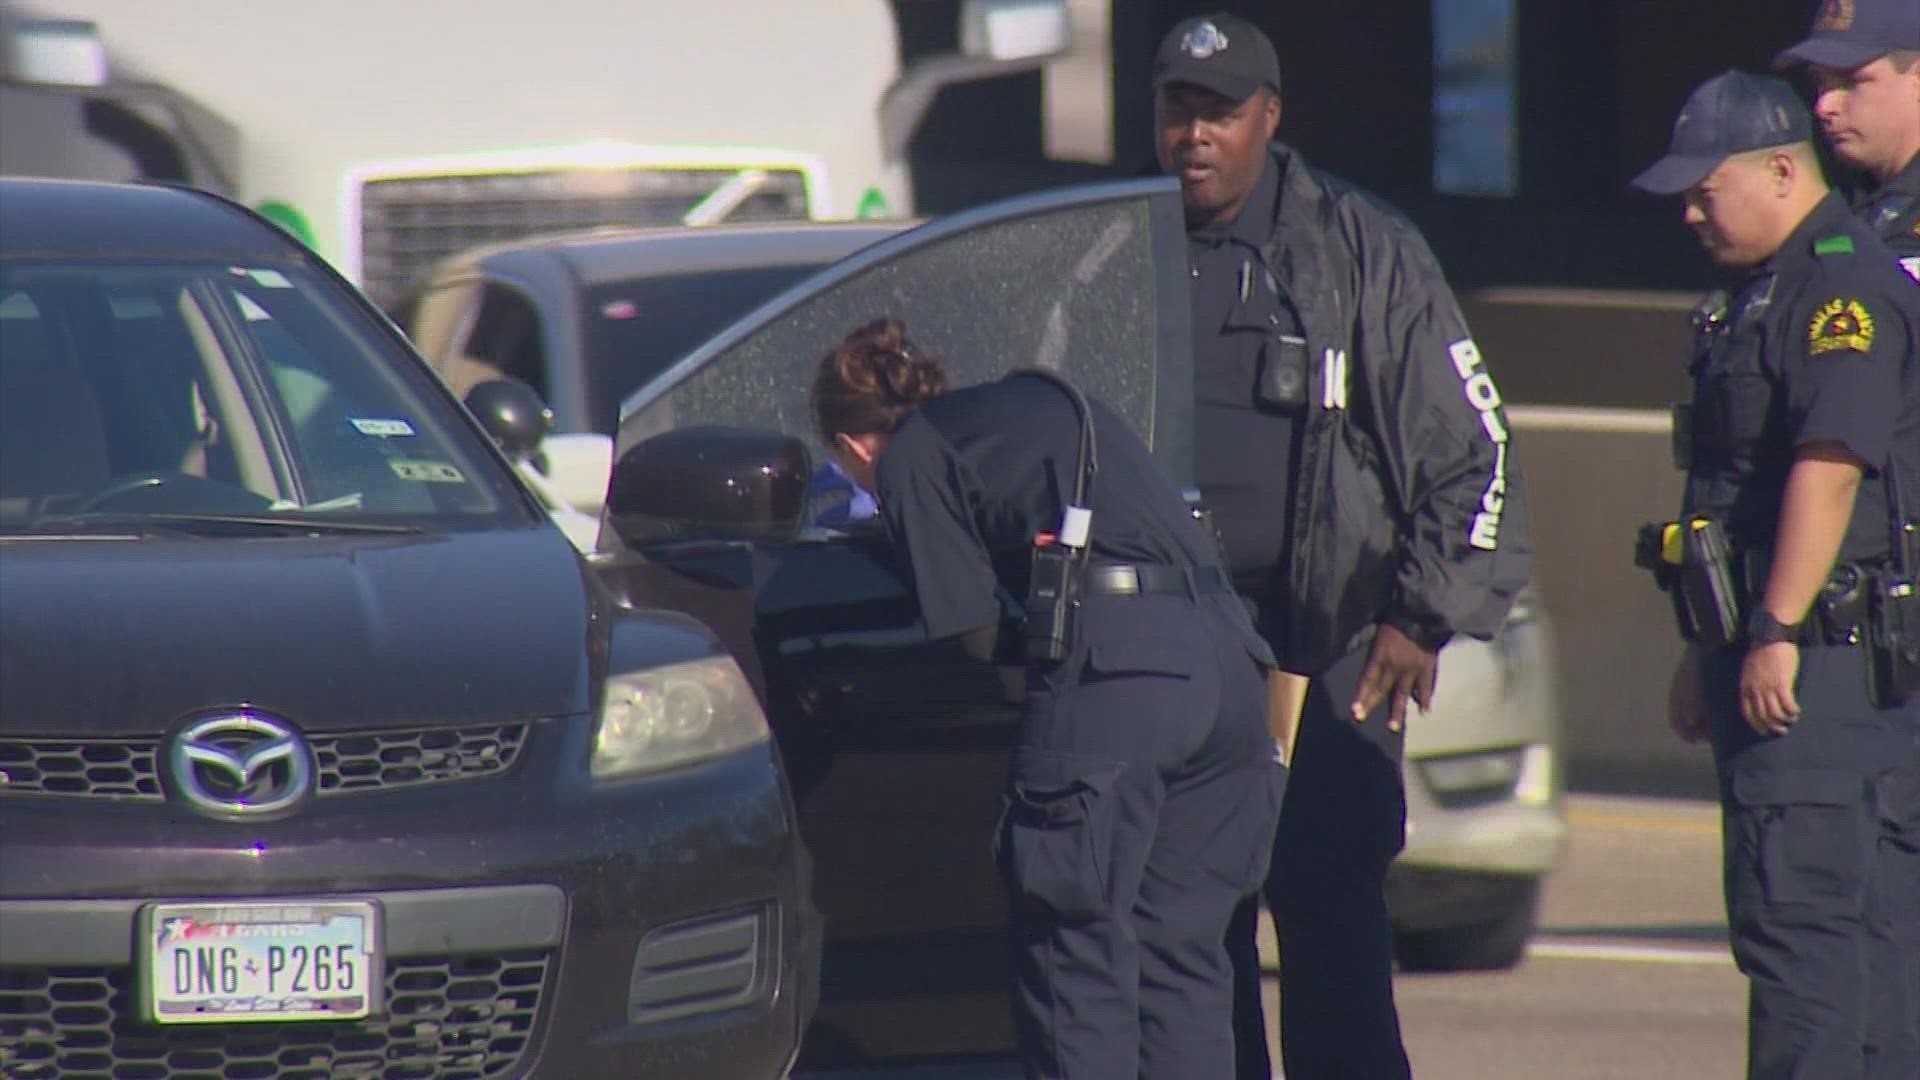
{"type": "Point", "coordinates": [872, 205]}
{"type": "Point", "coordinates": [293, 221]}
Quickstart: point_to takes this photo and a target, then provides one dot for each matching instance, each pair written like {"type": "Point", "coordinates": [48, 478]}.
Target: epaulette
{"type": "Point", "coordinates": [1834, 245]}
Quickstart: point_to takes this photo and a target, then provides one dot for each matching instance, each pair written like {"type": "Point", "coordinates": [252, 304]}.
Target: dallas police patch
{"type": "Point", "coordinates": [1840, 326]}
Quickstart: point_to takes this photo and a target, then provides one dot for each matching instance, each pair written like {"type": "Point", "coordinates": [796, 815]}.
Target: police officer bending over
{"type": "Point", "coordinates": [1792, 578]}
{"type": "Point", "coordinates": [1144, 787]}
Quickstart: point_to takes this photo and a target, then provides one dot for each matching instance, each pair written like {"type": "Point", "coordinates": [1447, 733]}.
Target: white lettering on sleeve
{"type": "Point", "coordinates": [1484, 397]}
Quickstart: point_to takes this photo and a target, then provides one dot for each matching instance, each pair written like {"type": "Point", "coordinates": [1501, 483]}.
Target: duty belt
{"type": "Point", "coordinates": [1139, 579]}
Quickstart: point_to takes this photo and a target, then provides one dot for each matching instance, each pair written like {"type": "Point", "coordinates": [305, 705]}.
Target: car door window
{"type": "Point", "coordinates": [1088, 282]}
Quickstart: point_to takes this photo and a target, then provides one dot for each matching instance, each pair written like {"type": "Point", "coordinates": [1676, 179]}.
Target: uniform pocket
{"type": "Point", "coordinates": [1055, 842]}
{"type": "Point", "coordinates": [1800, 838]}
{"type": "Point", "coordinates": [1897, 801]}
{"type": "Point", "coordinates": [1731, 409]}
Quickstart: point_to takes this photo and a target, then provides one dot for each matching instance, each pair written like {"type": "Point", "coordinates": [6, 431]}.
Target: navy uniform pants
{"type": "Point", "coordinates": [1821, 829]}
{"type": "Point", "coordinates": [1344, 822]}
{"type": "Point", "coordinates": [1139, 811]}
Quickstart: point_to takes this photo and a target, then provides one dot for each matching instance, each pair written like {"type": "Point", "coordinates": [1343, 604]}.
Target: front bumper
{"type": "Point", "coordinates": [531, 927]}
{"type": "Point", "coordinates": [1472, 849]}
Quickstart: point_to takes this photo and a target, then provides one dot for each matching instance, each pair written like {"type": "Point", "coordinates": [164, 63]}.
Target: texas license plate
{"type": "Point", "coordinates": [223, 963]}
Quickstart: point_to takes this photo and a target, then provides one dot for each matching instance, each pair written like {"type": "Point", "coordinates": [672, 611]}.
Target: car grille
{"type": "Point", "coordinates": [362, 761]}
{"type": "Point", "coordinates": [409, 223]}
{"type": "Point", "coordinates": [447, 1018]}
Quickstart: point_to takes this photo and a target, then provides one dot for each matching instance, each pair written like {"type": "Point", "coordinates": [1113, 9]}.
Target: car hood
{"type": "Point", "coordinates": [119, 636]}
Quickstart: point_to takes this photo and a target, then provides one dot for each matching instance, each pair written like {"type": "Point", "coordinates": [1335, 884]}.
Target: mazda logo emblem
{"type": "Point", "coordinates": [240, 765]}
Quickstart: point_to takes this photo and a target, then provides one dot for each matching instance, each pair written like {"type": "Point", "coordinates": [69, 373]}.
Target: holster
{"type": "Point", "coordinates": [1052, 624]}
{"type": "Point", "coordinates": [1693, 564]}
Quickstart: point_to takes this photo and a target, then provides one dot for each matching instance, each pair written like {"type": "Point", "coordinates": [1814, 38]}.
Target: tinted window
{"type": "Point", "coordinates": [190, 388]}
{"type": "Point", "coordinates": [636, 329]}
{"type": "Point", "coordinates": [1096, 291]}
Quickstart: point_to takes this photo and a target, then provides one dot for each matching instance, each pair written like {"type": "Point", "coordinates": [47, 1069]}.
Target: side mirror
{"type": "Point", "coordinates": [709, 483]}
{"type": "Point", "coordinates": [512, 413]}
{"type": "Point", "coordinates": [997, 38]}
{"type": "Point", "coordinates": [1015, 29]}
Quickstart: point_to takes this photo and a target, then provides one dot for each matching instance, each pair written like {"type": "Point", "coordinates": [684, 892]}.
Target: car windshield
{"type": "Point", "coordinates": [250, 394]}
{"type": "Point", "coordinates": [637, 328]}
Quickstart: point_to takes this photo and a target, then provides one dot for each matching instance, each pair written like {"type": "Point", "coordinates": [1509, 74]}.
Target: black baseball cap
{"type": "Point", "coordinates": [1847, 34]}
{"type": "Point", "coordinates": [1731, 113]}
{"type": "Point", "coordinates": [1222, 53]}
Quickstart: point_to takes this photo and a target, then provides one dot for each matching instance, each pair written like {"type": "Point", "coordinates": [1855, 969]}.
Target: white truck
{"type": "Point", "coordinates": [390, 133]}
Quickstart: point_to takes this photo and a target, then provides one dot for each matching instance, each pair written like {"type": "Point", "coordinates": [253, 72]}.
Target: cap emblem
{"type": "Point", "coordinates": [1835, 15]}
{"type": "Point", "coordinates": [1203, 41]}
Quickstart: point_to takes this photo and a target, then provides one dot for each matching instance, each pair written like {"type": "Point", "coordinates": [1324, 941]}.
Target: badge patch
{"type": "Point", "coordinates": [1203, 41]}
{"type": "Point", "coordinates": [1835, 15]}
{"type": "Point", "coordinates": [1840, 325]}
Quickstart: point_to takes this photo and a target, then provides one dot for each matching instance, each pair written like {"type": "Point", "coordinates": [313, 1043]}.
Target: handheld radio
{"type": "Point", "coordinates": [1059, 558]}
{"type": "Point", "coordinates": [1893, 609]}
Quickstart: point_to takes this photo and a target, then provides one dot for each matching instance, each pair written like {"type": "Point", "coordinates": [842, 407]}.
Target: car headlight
{"type": "Point", "coordinates": [1522, 772]}
{"type": "Point", "coordinates": [675, 715]}
{"type": "Point", "coordinates": [1525, 608]}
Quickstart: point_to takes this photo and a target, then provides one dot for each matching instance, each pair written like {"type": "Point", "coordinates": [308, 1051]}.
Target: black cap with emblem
{"type": "Point", "coordinates": [1848, 34]}
{"type": "Point", "coordinates": [1222, 53]}
{"type": "Point", "coordinates": [1731, 113]}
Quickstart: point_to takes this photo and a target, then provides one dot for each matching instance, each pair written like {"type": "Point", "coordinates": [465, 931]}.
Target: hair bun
{"type": "Point", "coordinates": [872, 379]}
{"type": "Point", "coordinates": [898, 372]}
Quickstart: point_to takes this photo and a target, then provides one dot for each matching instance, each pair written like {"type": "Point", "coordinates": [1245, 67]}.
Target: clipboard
{"type": "Point", "coordinates": [1286, 699]}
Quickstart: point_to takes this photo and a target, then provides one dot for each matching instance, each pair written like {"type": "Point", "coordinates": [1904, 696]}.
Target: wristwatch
{"type": "Point", "coordinates": [1764, 629]}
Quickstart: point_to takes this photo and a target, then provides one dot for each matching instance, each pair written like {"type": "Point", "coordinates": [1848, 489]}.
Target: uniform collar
{"type": "Point", "coordinates": [1254, 224]}
{"type": "Point", "coordinates": [1830, 217]}
{"type": "Point", "coordinates": [1906, 181]}
{"type": "Point", "coordinates": [1862, 190]}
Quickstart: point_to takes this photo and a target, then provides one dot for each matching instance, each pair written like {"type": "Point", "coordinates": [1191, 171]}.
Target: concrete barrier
{"type": "Point", "coordinates": [1589, 376]}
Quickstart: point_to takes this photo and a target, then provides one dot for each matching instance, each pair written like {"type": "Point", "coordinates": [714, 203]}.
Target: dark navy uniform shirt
{"type": "Point", "coordinates": [1244, 449]}
{"type": "Point", "coordinates": [971, 477]}
{"type": "Point", "coordinates": [1892, 210]}
{"type": "Point", "coordinates": [1818, 345]}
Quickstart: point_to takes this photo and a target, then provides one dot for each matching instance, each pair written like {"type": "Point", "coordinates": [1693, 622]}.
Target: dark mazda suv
{"type": "Point", "coordinates": [322, 751]}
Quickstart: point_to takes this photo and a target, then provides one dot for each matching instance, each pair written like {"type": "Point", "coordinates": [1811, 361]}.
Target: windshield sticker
{"type": "Point", "coordinates": [619, 309]}
{"type": "Point", "coordinates": [426, 472]}
{"type": "Point", "coordinates": [381, 429]}
{"type": "Point", "coordinates": [271, 279]}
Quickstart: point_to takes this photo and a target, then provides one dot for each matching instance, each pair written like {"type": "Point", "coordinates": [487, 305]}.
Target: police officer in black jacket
{"type": "Point", "coordinates": [1863, 57]}
{"type": "Point", "coordinates": [1144, 785]}
{"type": "Point", "coordinates": [1353, 450]}
{"type": "Point", "coordinates": [1805, 418]}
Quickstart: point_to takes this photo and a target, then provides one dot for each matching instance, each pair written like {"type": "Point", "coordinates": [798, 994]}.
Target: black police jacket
{"type": "Point", "coordinates": [1409, 506]}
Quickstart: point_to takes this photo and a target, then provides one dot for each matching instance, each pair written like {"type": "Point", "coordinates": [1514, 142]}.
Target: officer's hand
{"type": "Point", "coordinates": [1767, 701]}
{"type": "Point", "coordinates": [1686, 700]}
{"type": "Point", "coordinates": [1396, 670]}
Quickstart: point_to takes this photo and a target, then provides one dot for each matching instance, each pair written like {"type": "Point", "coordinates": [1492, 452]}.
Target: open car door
{"type": "Point", "coordinates": [896, 747]}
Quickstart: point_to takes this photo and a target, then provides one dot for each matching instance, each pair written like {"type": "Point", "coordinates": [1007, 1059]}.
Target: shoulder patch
{"type": "Point", "coordinates": [1840, 325]}
{"type": "Point", "coordinates": [1833, 245]}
